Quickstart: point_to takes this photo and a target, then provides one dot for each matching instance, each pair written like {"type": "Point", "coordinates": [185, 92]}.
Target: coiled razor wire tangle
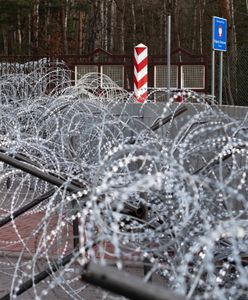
{"type": "Point", "coordinates": [168, 194]}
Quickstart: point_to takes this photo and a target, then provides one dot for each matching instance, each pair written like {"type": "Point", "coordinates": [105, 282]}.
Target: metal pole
{"type": "Point", "coordinates": [37, 172]}
{"type": "Point", "coordinates": [54, 267]}
{"type": "Point", "coordinates": [168, 56]}
{"type": "Point", "coordinates": [125, 284]}
{"type": "Point", "coordinates": [26, 207]}
{"type": "Point", "coordinates": [70, 187]}
{"type": "Point", "coordinates": [160, 122]}
{"type": "Point", "coordinates": [213, 73]}
{"type": "Point", "coordinates": [221, 78]}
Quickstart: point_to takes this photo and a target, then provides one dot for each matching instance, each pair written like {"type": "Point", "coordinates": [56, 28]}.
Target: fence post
{"type": "Point", "coordinates": [140, 72]}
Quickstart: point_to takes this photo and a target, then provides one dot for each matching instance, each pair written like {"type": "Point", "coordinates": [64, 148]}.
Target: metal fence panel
{"type": "Point", "coordinates": [115, 72]}
{"type": "Point", "coordinates": [160, 76]}
{"type": "Point", "coordinates": [193, 76]}
{"type": "Point", "coordinates": [81, 70]}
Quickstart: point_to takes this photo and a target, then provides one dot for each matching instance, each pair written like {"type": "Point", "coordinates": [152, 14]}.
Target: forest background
{"type": "Point", "coordinates": [76, 27]}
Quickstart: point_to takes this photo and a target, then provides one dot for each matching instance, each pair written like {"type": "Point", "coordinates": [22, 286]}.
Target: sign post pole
{"type": "Point", "coordinates": [221, 78]}
{"type": "Point", "coordinates": [168, 56]}
{"type": "Point", "coordinates": [218, 44]}
{"type": "Point", "coordinates": [213, 73]}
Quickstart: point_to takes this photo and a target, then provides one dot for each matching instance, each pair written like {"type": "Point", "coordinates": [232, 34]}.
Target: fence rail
{"type": "Point", "coordinates": [187, 71]}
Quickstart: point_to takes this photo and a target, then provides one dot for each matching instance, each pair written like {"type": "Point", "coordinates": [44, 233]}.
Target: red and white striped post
{"type": "Point", "coordinates": [140, 72]}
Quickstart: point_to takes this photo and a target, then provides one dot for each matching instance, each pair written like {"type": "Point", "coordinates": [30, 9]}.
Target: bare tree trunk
{"type": "Point", "coordinates": [80, 38]}
{"type": "Point", "coordinates": [29, 33]}
{"type": "Point", "coordinates": [112, 25]}
{"type": "Point", "coordinates": [224, 8]}
{"type": "Point", "coordinates": [201, 18]}
{"type": "Point", "coordinates": [194, 38]}
{"type": "Point", "coordinates": [47, 24]}
{"type": "Point", "coordinates": [105, 37]}
{"type": "Point", "coordinates": [161, 27]}
{"type": "Point", "coordinates": [65, 14]}
{"type": "Point", "coordinates": [91, 19]}
{"type": "Point", "coordinates": [5, 41]}
{"type": "Point", "coordinates": [36, 19]}
{"type": "Point", "coordinates": [134, 22]}
{"type": "Point", "coordinates": [122, 46]}
{"type": "Point", "coordinates": [143, 22]}
{"type": "Point", "coordinates": [19, 33]}
{"type": "Point", "coordinates": [176, 12]}
{"type": "Point", "coordinates": [233, 30]}
{"type": "Point", "coordinates": [103, 23]}
{"type": "Point", "coordinates": [98, 23]}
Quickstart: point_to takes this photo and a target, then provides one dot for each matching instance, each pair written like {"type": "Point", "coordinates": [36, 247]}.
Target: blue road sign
{"type": "Point", "coordinates": [219, 34]}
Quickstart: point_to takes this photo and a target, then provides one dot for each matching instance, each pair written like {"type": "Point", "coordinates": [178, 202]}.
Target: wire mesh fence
{"type": "Point", "coordinates": [235, 78]}
{"type": "Point", "coordinates": [187, 70]}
